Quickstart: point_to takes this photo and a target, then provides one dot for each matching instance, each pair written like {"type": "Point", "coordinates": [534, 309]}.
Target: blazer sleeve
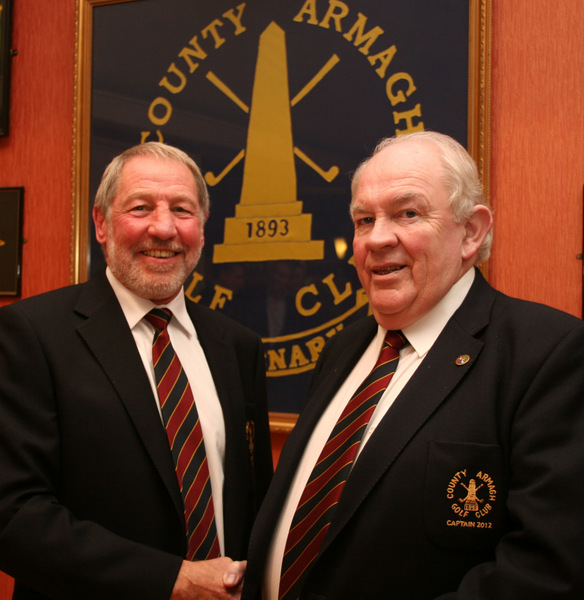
{"type": "Point", "coordinates": [540, 556]}
{"type": "Point", "coordinates": [42, 544]}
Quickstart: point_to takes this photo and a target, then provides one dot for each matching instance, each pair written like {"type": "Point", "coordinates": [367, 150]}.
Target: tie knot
{"type": "Point", "coordinates": [395, 339]}
{"type": "Point", "coordinates": [159, 318]}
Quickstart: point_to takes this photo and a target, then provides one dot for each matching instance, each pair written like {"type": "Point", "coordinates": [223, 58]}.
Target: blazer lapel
{"type": "Point", "coordinates": [342, 360]}
{"type": "Point", "coordinates": [338, 365]}
{"type": "Point", "coordinates": [416, 403]}
{"type": "Point", "coordinates": [221, 360]}
{"type": "Point", "coordinates": [106, 332]}
{"type": "Point", "coordinates": [223, 364]}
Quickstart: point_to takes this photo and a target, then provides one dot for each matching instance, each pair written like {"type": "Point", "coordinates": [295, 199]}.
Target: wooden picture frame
{"type": "Point", "coordinates": [5, 60]}
{"type": "Point", "coordinates": [11, 209]}
{"type": "Point", "coordinates": [192, 88]}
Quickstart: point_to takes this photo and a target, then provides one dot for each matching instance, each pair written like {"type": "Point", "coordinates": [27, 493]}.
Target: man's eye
{"type": "Point", "coordinates": [410, 214]}
{"type": "Point", "coordinates": [183, 210]}
{"type": "Point", "coordinates": [365, 221]}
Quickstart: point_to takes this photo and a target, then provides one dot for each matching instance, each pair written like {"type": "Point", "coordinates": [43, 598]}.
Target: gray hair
{"type": "Point", "coordinates": [110, 181]}
{"type": "Point", "coordinates": [461, 177]}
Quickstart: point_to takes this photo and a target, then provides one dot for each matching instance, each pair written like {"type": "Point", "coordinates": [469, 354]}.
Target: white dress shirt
{"type": "Point", "coordinates": [185, 342]}
{"type": "Point", "coordinates": [421, 337]}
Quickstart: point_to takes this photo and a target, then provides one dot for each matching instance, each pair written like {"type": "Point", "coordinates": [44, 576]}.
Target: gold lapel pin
{"type": "Point", "coordinates": [462, 360]}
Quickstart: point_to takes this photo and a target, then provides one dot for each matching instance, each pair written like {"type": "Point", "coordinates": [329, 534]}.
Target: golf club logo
{"type": "Point", "coordinates": [268, 226]}
{"type": "Point", "coordinates": [472, 498]}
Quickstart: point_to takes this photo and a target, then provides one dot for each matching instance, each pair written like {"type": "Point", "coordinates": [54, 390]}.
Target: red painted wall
{"type": "Point", "coordinates": [38, 152]}
{"type": "Point", "coordinates": [537, 166]}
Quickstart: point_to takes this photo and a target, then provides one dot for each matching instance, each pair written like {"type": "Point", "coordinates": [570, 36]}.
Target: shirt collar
{"type": "Point", "coordinates": [135, 308]}
{"type": "Point", "coordinates": [425, 331]}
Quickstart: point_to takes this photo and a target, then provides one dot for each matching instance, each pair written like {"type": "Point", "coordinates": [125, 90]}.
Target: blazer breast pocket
{"type": "Point", "coordinates": [464, 495]}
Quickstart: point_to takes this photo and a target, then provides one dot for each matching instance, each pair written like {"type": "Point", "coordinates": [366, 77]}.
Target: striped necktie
{"type": "Point", "coordinates": [185, 437]}
{"type": "Point", "coordinates": [322, 492]}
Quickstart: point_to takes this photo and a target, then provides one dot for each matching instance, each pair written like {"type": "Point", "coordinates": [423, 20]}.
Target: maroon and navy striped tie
{"type": "Point", "coordinates": [185, 437]}
{"type": "Point", "coordinates": [322, 492]}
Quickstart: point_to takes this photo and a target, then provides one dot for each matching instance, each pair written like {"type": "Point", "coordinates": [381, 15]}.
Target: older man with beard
{"type": "Point", "coordinates": [97, 498]}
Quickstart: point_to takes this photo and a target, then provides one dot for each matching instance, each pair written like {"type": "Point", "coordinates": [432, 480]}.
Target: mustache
{"type": "Point", "coordinates": [162, 246]}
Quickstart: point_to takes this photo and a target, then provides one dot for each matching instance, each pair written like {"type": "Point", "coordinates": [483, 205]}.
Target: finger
{"type": "Point", "coordinates": [233, 576]}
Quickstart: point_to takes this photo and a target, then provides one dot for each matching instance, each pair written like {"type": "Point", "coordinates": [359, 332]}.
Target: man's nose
{"type": "Point", "coordinates": [162, 224]}
{"type": "Point", "coordinates": [383, 233]}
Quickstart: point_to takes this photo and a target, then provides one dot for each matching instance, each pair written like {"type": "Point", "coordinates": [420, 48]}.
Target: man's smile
{"type": "Point", "coordinates": [159, 253]}
{"type": "Point", "coordinates": [387, 270]}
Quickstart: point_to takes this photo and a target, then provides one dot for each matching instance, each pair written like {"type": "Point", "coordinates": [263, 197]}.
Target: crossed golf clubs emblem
{"type": "Point", "coordinates": [328, 175]}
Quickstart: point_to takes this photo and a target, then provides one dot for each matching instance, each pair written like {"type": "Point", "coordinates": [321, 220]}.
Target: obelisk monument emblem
{"type": "Point", "coordinates": [269, 223]}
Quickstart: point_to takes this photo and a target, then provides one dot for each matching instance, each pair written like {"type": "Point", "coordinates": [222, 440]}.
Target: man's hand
{"type": "Point", "coordinates": [217, 579]}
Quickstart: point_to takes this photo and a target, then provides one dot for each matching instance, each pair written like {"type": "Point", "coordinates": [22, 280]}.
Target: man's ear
{"type": "Point", "coordinates": [476, 229]}
{"type": "Point", "coordinates": [100, 225]}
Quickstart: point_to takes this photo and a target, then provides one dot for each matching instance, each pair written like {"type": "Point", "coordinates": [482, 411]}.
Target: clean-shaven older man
{"type": "Point", "coordinates": [458, 474]}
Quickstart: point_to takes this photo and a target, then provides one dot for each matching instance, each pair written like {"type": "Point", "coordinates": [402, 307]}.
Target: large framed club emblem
{"type": "Point", "coordinates": [277, 102]}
